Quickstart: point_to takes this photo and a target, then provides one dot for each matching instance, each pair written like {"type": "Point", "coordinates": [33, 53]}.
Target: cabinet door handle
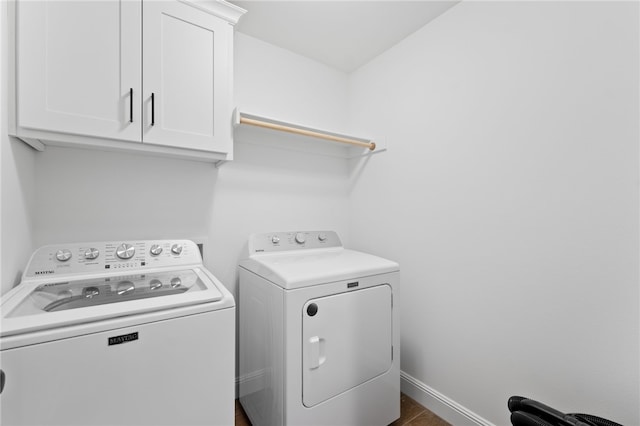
{"type": "Point", "coordinates": [131, 105]}
{"type": "Point", "coordinates": [153, 110]}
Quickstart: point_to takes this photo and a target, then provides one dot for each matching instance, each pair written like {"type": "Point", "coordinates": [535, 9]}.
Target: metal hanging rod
{"type": "Point", "coordinates": [305, 132]}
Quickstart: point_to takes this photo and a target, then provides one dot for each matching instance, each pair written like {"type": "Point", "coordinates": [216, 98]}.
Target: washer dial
{"type": "Point", "coordinates": [300, 238]}
{"type": "Point", "coordinates": [176, 249]}
{"type": "Point", "coordinates": [125, 287]}
{"type": "Point", "coordinates": [63, 255]}
{"type": "Point", "coordinates": [155, 250]}
{"type": "Point", "coordinates": [89, 292]}
{"type": "Point", "coordinates": [125, 251]}
{"type": "Point", "coordinates": [91, 253]}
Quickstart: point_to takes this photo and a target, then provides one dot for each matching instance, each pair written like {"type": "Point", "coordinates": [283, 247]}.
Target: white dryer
{"type": "Point", "coordinates": [136, 333]}
{"type": "Point", "coordinates": [319, 334]}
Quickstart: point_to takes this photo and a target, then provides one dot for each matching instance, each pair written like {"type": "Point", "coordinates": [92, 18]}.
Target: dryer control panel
{"type": "Point", "coordinates": [110, 256]}
{"type": "Point", "coordinates": [294, 240]}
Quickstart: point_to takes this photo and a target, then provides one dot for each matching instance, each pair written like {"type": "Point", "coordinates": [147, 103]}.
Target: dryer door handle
{"type": "Point", "coordinates": [317, 355]}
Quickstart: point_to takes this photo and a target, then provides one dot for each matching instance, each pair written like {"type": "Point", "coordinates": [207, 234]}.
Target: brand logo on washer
{"type": "Point", "coordinates": [48, 271]}
{"type": "Point", "coordinates": [116, 340]}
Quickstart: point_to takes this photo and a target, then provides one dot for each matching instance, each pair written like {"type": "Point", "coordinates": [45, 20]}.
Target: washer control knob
{"type": "Point", "coordinates": [176, 282]}
{"type": "Point", "coordinates": [176, 249]}
{"type": "Point", "coordinates": [125, 251]}
{"type": "Point", "coordinates": [91, 253]}
{"type": "Point", "coordinates": [89, 292]}
{"type": "Point", "coordinates": [155, 284]}
{"type": "Point", "coordinates": [125, 287]}
{"type": "Point", "coordinates": [322, 237]}
{"type": "Point", "coordinates": [63, 255]}
{"type": "Point", "coordinates": [300, 238]}
{"type": "Point", "coordinates": [275, 239]}
{"type": "Point", "coordinates": [155, 250]}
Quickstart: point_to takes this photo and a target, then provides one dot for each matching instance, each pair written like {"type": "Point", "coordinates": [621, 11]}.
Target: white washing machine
{"type": "Point", "coordinates": [319, 336]}
{"type": "Point", "coordinates": [110, 333]}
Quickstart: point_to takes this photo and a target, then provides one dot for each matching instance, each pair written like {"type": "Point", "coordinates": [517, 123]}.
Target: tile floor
{"type": "Point", "coordinates": [411, 414]}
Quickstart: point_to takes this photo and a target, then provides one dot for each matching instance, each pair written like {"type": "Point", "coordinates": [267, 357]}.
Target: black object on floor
{"type": "Point", "coordinates": [528, 412]}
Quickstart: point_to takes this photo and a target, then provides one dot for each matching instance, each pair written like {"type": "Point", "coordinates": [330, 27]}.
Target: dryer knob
{"type": "Point", "coordinates": [63, 255]}
{"type": "Point", "coordinates": [176, 282]}
{"type": "Point", "coordinates": [155, 250]}
{"type": "Point", "coordinates": [322, 237]}
{"type": "Point", "coordinates": [176, 249]}
{"type": "Point", "coordinates": [275, 239]}
{"type": "Point", "coordinates": [300, 238]}
{"type": "Point", "coordinates": [125, 251]}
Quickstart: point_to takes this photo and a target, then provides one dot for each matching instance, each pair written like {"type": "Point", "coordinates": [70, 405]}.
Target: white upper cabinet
{"type": "Point", "coordinates": [150, 76]}
{"type": "Point", "coordinates": [186, 88]}
{"type": "Point", "coordinates": [78, 63]}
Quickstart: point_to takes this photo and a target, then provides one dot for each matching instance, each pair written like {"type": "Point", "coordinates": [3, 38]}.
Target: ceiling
{"type": "Point", "coordinates": [341, 34]}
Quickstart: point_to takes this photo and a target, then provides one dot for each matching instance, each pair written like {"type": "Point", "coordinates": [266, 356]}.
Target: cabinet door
{"type": "Point", "coordinates": [78, 66]}
{"type": "Point", "coordinates": [186, 70]}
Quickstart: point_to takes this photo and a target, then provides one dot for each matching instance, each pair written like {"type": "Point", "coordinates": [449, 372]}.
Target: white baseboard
{"type": "Point", "coordinates": [251, 382]}
{"type": "Point", "coordinates": [441, 405]}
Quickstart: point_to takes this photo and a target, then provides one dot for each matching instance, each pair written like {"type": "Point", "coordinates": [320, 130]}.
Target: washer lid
{"type": "Point", "coordinates": [310, 267]}
{"type": "Point", "coordinates": [36, 305]}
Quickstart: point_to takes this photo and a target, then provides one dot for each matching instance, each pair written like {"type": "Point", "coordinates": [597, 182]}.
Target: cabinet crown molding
{"type": "Point", "coordinates": [220, 8]}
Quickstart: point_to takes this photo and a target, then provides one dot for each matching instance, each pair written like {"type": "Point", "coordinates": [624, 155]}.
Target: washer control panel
{"type": "Point", "coordinates": [70, 259]}
{"type": "Point", "coordinates": [295, 240]}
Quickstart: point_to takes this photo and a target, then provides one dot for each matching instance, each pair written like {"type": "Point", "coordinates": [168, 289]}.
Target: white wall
{"type": "Point", "coordinates": [17, 184]}
{"type": "Point", "coordinates": [509, 196]}
{"type": "Point", "coordinates": [90, 195]}
{"type": "Point", "coordinates": [18, 205]}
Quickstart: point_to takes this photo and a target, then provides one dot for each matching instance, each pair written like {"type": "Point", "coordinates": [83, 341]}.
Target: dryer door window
{"type": "Point", "coordinates": [346, 341]}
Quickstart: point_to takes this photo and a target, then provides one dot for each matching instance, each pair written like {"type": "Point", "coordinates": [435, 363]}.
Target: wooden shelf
{"type": "Point", "coordinates": [251, 128]}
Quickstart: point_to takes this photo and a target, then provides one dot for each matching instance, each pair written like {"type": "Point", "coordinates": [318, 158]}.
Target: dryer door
{"type": "Point", "coordinates": [346, 341]}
